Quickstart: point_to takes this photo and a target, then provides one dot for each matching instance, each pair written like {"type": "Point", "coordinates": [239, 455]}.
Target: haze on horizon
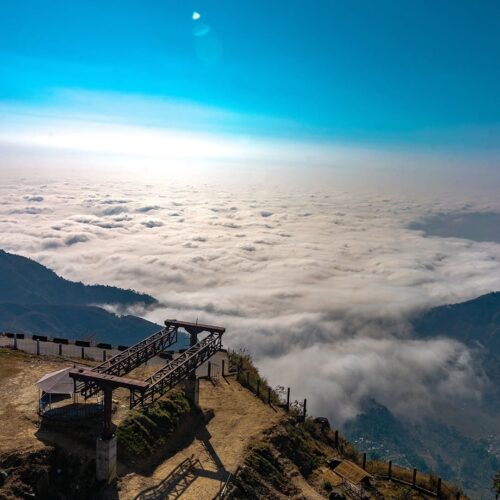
{"type": "Point", "coordinates": [269, 166]}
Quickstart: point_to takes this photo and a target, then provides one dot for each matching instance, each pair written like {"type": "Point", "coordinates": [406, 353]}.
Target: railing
{"type": "Point", "coordinates": [134, 356]}
{"type": "Point", "coordinates": [177, 370]}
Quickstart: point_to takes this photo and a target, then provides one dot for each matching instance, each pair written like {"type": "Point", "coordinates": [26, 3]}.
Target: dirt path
{"type": "Point", "coordinates": [216, 450]}
{"type": "Point", "coordinates": [19, 397]}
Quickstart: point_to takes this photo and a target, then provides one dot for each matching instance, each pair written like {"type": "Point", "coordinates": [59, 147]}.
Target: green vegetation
{"type": "Point", "coordinates": [250, 377]}
{"type": "Point", "coordinates": [144, 432]}
{"type": "Point", "coordinates": [496, 485]}
{"type": "Point", "coordinates": [299, 443]}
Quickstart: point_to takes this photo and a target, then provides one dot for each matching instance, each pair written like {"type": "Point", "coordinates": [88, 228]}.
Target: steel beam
{"type": "Point", "coordinates": [126, 361]}
{"type": "Point", "coordinates": [176, 370]}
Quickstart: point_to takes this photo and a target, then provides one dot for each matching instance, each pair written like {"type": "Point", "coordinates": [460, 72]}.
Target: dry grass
{"type": "Point", "coordinates": [423, 480]}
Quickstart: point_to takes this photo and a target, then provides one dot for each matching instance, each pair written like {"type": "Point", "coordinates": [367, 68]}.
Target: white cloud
{"type": "Point", "coordinates": [319, 291]}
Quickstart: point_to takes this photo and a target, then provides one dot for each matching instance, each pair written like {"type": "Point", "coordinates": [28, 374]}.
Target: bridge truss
{"type": "Point", "coordinates": [111, 372]}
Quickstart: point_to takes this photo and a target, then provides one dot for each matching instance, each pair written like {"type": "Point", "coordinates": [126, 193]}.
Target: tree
{"type": "Point", "coordinates": [496, 485]}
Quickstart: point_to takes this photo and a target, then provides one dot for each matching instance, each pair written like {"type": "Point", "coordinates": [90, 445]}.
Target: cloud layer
{"type": "Point", "coordinates": [316, 282]}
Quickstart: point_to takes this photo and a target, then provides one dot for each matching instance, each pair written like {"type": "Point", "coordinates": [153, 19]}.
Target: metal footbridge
{"type": "Point", "coordinates": [176, 370]}
{"type": "Point", "coordinates": [110, 374]}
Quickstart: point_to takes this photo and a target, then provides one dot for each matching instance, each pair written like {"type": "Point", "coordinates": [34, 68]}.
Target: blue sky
{"type": "Point", "coordinates": [422, 74]}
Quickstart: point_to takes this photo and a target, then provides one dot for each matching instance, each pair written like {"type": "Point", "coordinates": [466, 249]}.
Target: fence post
{"type": "Point", "coordinates": [268, 395]}
{"type": "Point", "coordinates": [209, 370]}
{"type": "Point", "coordinates": [38, 347]}
{"type": "Point", "coordinates": [364, 461]}
{"type": "Point", "coordinates": [288, 399]}
{"type": "Point", "coordinates": [60, 349]}
{"type": "Point", "coordinates": [389, 472]}
{"type": "Point", "coordinates": [83, 352]}
{"type": "Point", "coordinates": [104, 354]}
{"type": "Point", "coordinates": [337, 439]}
{"type": "Point", "coordinates": [258, 387]}
{"type": "Point", "coordinates": [438, 492]}
{"type": "Point", "coordinates": [223, 366]}
{"type": "Point", "coordinates": [414, 480]}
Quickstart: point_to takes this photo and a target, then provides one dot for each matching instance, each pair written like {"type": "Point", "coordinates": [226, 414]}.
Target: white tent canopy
{"type": "Point", "coordinates": [58, 382]}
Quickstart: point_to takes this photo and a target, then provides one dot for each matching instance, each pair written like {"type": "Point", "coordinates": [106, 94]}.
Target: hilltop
{"type": "Point", "coordinates": [174, 448]}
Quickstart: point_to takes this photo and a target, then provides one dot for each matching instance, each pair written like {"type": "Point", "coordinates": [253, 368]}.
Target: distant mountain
{"type": "Point", "coordinates": [428, 445]}
{"type": "Point", "coordinates": [75, 322]}
{"type": "Point", "coordinates": [34, 299]}
{"type": "Point", "coordinates": [24, 281]}
{"type": "Point", "coordinates": [461, 441]}
{"type": "Point", "coordinates": [475, 322]}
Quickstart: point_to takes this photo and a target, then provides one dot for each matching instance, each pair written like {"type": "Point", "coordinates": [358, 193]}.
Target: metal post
{"type": "Point", "coordinates": [258, 387]}
{"type": "Point", "coordinates": [223, 367]}
{"type": "Point", "coordinates": [104, 355]}
{"type": "Point", "coordinates": [38, 347]}
{"type": "Point", "coordinates": [414, 480]}
{"type": "Point", "coordinates": [439, 487]}
{"type": "Point", "coordinates": [389, 472]}
{"type": "Point", "coordinates": [364, 461]}
{"type": "Point", "coordinates": [288, 399]}
{"type": "Point", "coordinates": [268, 395]}
{"type": "Point", "coordinates": [305, 408]}
{"type": "Point", "coordinates": [107, 432]}
{"type": "Point", "coordinates": [60, 349]}
{"type": "Point", "coordinates": [209, 370]}
{"type": "Point", "coordinates": [83, 352]}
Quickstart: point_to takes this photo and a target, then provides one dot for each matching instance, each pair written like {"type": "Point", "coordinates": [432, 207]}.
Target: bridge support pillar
{"type": "Point", "coordinates": [192, 388]}
{"type": "Point", "coordinates": [106, 459]}
{"type": "Point", "coordinates": [192, 384]}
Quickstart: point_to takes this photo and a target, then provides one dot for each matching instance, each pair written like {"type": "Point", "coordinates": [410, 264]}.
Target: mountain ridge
{"type": "Point", "coordinates": [35, 300]}
{"type": "Point", "coordinates": [27, 282]}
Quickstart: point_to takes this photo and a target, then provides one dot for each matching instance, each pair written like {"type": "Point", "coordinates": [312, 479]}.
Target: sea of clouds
{"type": "Point", "coordinates": [316, 282]}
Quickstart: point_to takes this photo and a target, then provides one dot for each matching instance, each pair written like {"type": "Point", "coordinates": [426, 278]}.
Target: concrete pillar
{"type": "Point", "coordinates": [106, 459]}
{"type": "Point", "coordinates": [192, 389]}
{"type": "Point", "coordinates": [192, 384]}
